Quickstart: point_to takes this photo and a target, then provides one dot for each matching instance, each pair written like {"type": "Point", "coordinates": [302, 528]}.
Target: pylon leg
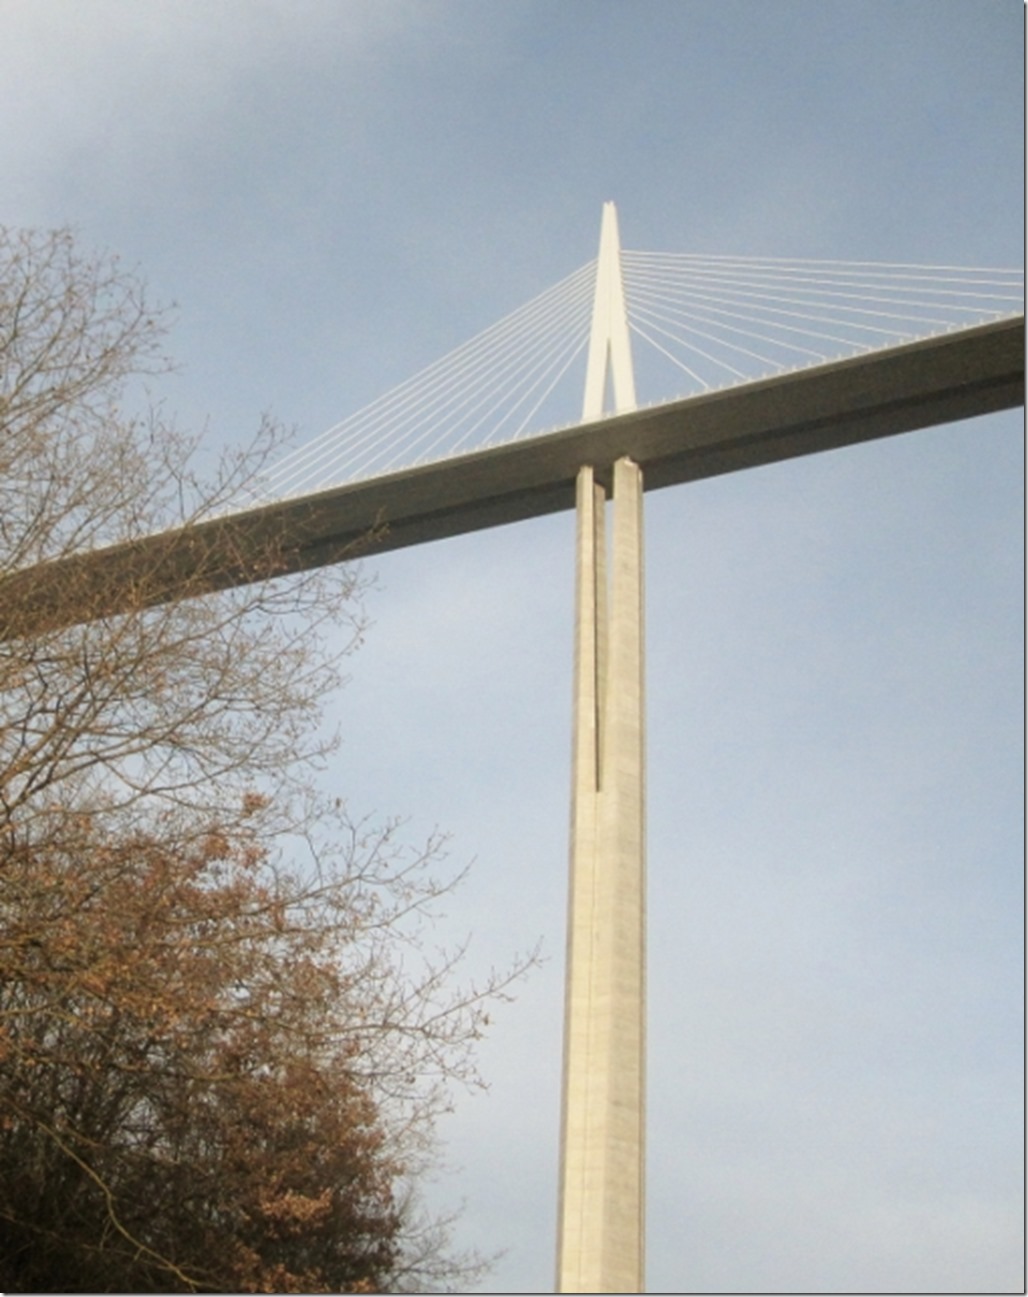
{"type": "Point", "coordinates": [600, 1246]}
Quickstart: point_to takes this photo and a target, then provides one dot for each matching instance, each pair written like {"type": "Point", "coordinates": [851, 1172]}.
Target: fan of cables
{"type": "Point", "coordinates": [706, 321]}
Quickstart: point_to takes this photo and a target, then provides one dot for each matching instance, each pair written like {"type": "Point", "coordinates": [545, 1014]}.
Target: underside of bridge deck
{"type": "Point", "coordinates": [935, 380]}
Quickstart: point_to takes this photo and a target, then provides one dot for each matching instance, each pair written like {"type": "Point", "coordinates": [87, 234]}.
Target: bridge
{"type": "Point", "coordinates": [954, 371]}
{"type": "Point", "coordinates": [781, 359]}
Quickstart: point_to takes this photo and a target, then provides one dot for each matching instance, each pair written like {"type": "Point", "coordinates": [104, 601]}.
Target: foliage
{"type": "Point", "coordinates": [213, 1073]}
{"type": "Point", "coordinates": [219, 1070]}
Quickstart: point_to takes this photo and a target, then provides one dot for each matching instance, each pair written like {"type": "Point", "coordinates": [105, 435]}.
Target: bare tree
{"type": "Point", "coordinates": [168, 979]}
{"type": "Point", "coordinates": [192, 700]}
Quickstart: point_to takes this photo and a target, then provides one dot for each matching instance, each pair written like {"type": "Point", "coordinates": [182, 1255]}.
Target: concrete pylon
{"type": "Point", "coordinates": [602, 1178]}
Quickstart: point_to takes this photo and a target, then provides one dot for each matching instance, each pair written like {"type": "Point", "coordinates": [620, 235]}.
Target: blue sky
{"type": "Point", "coordinates": [335, 194]}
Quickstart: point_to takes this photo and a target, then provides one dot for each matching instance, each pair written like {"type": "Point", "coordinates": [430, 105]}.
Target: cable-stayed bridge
{"type": "Point", "coordinates": [700, 324]}
{"type": "Point", "coordinates": [747, 361]}
{"type": "Point", "coordinates": [744, 361]}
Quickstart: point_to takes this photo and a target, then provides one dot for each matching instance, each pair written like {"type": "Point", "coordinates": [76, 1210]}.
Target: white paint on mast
{"type": "Point", "coordinates": [608, 339]}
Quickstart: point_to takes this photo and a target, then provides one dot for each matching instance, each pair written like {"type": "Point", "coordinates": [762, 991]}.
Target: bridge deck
{"type": "Point", "coordinates": [934, 380]}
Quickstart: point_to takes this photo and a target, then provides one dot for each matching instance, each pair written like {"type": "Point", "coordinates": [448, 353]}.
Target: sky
{"type": "Point", "coordinates": [334, 193]}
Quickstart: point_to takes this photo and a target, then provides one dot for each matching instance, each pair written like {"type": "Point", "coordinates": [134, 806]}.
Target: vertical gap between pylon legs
{"type": "Point", "coordinates": [599, 619]}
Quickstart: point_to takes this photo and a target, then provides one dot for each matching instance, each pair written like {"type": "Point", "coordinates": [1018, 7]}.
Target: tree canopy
{"type": "Point", "coordinates": [222, 1045]}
